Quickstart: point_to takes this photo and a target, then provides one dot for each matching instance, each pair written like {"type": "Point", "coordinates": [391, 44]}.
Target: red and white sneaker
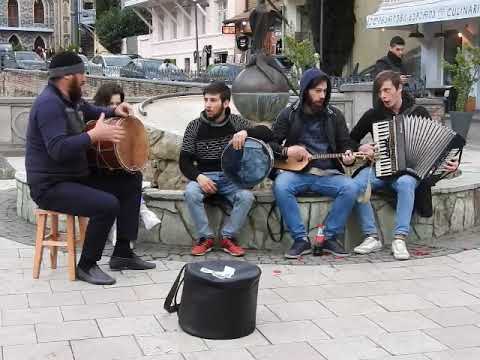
{"type": "Point", "coordinates": [230, 247]}
{"type": "Point", "coordinates": [202, 247]}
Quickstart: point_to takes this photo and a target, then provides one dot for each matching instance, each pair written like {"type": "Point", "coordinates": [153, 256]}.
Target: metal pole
{"type": "Point", "coordinates": [196, 37]}
{"type": "Point", "coordinates": [74, 17]}
{"type": "Point", "coordinates": [321, 33]}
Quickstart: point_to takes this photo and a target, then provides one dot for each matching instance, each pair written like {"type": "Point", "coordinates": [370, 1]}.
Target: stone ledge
{"type": "Point", "coordinates": [456, 208]}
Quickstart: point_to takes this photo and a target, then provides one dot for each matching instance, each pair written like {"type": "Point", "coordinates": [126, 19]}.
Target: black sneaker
{"type": "Point", "coordinates": [298, 249]}
{"type": "Point", "coordinates": [331, 246]}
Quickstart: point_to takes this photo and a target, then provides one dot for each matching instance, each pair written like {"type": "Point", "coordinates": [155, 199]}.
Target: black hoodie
{"type": "Point", "coordinates": [423, 193]}
{"type": "Point", "coordinates": [289, 124]}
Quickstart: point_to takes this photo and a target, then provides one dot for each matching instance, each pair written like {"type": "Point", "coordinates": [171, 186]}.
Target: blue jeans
{"type": "Point", "coordinates": [240, 199]}
{"type": "Point", "coordinates": [290, 184]}
{"type": "Point", "coordinates": [404, 186]}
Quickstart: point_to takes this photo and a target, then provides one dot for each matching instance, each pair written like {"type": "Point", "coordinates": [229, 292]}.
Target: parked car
{"type": "Point", "coordinates": [91, 68]}
{"type": "Point", "coordinates": [27, 60]}
{"type": "Point", "coordinates": [152, 69]}
{"type": "Point", "coordinates": [111, 64]}
{"type": "Point", "coordinates": [134, 56]}
{"type": "Point", "coordinates": [142, 69]}
{"type": "Point", "coordinates": [224, 71]}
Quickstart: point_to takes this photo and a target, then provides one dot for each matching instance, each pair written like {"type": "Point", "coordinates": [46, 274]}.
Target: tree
{"type": "Point", "coordinates": [103, 6]}
{"type": "Point", "coordinates": [301, 54]}
{"type": "Point", "coordinates": [116, 24]}
{"type": "Point", "coordinates": [338, 29]}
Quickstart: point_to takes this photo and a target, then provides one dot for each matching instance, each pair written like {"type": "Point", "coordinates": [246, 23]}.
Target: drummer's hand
{"type": "Point", "coordinates": [105, 132]}
{"type": "Point", "coordinates": [348, 158]}
{"type": "Point", "coordinates": [451, 165]}
{"type": "Point", "coordinates": [206, 184]}
{"type": "Point", "coordinates": [298, 153]}
{"type": "Point", "coordinates": [238, 139]}
{"type": "Point", "coordinates": [124, 109]}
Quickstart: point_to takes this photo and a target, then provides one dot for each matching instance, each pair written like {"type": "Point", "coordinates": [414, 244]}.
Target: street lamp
{"type": "Point", "coordinates": [196, 36]}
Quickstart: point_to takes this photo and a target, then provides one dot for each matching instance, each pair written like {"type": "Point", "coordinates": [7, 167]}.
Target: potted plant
{"type": "Point", "coordinates": [465, 73]}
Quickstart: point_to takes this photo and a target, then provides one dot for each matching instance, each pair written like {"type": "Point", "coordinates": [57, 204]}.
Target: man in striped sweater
{"type": "Point", "coordinates": [200, 161]}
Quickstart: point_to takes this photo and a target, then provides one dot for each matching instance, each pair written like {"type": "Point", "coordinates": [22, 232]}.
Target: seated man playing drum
{"type": "Point", "coordinates": [200, 161]}
{"type": "Point", "coordinates": [313, 127]}
{"type": "Point", "coordinates": [390, 101]}
{"type": "Point", "coordinates": [59, 176]}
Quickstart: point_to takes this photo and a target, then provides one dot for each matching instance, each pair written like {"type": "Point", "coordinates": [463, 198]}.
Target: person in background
{"type": "Point", "coordinates": [394, 60]}
{"type": "Point", "coordinates": [111, 95]}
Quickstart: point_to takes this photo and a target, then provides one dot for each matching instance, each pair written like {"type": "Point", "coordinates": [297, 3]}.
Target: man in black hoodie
{"type": "Point", "coordinates": [312, 126]}
{"type": "Point", "coordinates": [393, 60]}
{"type": "Point", "coordinates": [410, 192]}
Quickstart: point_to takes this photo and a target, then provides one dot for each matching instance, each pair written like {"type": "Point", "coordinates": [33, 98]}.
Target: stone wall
{"type": "Point", "coordinates": [456, 208]}
{"type": "Point", "coordinates": [30, 83]}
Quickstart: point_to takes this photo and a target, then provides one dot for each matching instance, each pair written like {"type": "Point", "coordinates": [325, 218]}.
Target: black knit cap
{"type": "Point", "coordinates": [65, 64]}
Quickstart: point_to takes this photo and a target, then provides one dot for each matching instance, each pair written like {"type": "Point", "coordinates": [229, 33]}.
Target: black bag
{"type": "Point", "coordinates": [212, 307]}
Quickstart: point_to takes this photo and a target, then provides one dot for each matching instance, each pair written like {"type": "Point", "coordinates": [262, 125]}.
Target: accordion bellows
{"type": "Point", "coordinates": [414, 145]}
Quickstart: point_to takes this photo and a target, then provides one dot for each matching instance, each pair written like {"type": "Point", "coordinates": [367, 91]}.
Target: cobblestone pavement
{"type": "Point", "coordinates": [427, 308]}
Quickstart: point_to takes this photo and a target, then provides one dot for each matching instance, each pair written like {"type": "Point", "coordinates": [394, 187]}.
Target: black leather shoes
{"type": "Point", "coordinates": [95, 276]}
{"type": "Point", "coordinates": [131, 263]}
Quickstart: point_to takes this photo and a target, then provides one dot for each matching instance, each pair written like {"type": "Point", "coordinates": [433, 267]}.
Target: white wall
{"type": "Point", "coordinates": [163, 44]}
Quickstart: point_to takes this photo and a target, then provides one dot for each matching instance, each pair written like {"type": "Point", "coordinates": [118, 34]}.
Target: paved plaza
{"type": "Point", "coordinates": [315, 308]}
{"type": "Point", "coordinates": [426, 308]}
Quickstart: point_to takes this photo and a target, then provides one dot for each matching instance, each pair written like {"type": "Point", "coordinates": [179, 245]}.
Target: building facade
{"type": "Point", "coordinates": [32, 23]}
{"type": "Point", "coordinates": [173, 30]}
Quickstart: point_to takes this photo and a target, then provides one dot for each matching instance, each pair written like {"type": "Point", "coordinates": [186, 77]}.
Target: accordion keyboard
{"type": "Point", "coordinates": [385, 164]}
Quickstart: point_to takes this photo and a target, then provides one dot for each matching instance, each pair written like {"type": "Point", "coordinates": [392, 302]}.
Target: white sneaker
{"type": "Point", "coordinates": [399, 250]}
{"type": "Point", "coordinates": [149, 218]}
{"type": "Point", "coordinates": [369, 245]}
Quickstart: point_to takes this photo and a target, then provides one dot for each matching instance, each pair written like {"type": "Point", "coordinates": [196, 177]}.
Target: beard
{"type": "Point", "coordinates": [75, 91]}
{"type": "Point", "coordinates": [216, 115]}
{"type": "Point", "coordinates": [316, 107]}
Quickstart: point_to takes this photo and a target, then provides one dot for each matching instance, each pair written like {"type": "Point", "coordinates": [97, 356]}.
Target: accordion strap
{"type": "Point", "coordinates": [172, 295]}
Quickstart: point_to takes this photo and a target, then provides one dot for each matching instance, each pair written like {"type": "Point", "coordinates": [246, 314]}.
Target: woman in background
{"type": "Point", "coordinates": [111, 94]}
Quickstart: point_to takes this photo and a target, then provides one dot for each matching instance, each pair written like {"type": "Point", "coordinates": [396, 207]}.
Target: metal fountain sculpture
{"type": "Point", "coordinates": [261, 91]}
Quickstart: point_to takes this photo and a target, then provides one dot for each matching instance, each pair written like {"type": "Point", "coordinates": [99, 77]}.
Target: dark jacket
{"type": "Point", "coordinates": [390, 62]}
{"type": "Point", "coordinates": [288, 125]}
{"type": "Point", "coordinates": [423, 193]}
{"type": "Point", "coordinates": [56, 144]}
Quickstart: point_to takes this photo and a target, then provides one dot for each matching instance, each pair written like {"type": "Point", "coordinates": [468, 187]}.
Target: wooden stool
{"type": "Point", "coordinates": [55, 240]}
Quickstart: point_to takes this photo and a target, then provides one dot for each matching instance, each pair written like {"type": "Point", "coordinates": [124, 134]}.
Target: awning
{"type": "Point", "coordinates": [239, 18]}
{"type": "Point", "coordinates": [408, 12]}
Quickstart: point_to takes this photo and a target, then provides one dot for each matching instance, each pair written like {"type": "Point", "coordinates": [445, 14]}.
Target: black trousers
{"type": "Point", "coordinates": [103, 198]}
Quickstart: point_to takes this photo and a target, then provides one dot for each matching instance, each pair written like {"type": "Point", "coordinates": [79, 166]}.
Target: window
{"type": "Point", "coordinates": [12, 13]}
{"type": "Point", "coordinates": [161, 27]}
{"type": "Point", "coordinates": [186, 26]}
{"type": "Point", "coordinates": [222, 6]}
{"type": "Point", "coordinates": [38, 13]}
{"type": "Point", "coordinates": [174, 24]}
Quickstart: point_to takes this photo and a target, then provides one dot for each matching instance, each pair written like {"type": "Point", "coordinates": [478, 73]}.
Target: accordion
{"type": "Point", "coordinates": [414, 145]}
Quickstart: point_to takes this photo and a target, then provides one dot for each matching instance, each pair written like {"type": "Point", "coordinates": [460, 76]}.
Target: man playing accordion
{"type": "Point", "coordinates": [59, 176]}
{"type": "Point", "coordinates": [390, 101]}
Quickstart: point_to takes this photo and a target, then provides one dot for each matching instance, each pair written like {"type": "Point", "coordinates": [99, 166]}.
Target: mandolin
{"type": "Point", "coordinates": [295, 165]}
